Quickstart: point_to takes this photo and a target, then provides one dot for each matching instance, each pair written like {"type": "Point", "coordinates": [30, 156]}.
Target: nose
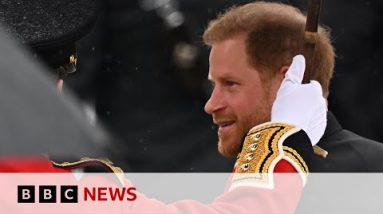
{"type": "Point", "coordinates": [215, 102]}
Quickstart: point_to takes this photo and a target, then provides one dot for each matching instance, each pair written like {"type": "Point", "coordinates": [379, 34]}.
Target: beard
{"type": "Point", "coordinates": [231, 146]}
{"type": "Point", "coordinates": [231, 150]}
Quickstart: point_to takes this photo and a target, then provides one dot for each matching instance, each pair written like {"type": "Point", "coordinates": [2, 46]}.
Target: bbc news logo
{"type": "Point", "coordinates": [47, 194]}
{"type": "Point", "coordinates": [69, 194]}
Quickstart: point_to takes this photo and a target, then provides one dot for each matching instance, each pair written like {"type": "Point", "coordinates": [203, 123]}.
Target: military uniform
{"type": "Point", "coordinates": [268, 150]}
{"type": "Point", "coordinates": [347, 151]}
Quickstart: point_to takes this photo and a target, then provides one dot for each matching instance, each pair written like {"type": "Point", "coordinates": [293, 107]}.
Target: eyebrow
{"type": "Point", "coordinates": [224, 77]}
{"type": "Point", "coordinates": [228, 77]}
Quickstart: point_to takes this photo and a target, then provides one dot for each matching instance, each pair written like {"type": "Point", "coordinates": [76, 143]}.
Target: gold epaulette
{"type": "Point", "coordinates": [262, 149]}
{"type": "Point", "coordinates": [92, 162]}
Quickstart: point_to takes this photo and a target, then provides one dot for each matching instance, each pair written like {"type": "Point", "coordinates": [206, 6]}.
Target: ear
{"type": "Point", "coordinates": [282, 72]}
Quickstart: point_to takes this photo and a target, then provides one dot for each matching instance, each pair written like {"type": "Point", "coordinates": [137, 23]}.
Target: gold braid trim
{"type": "Point", "coordinates": [84, 162]}
{"type": "Point", "coordinates": [296, 158]}
{"type": "Point", "coordinates": [261, 151]}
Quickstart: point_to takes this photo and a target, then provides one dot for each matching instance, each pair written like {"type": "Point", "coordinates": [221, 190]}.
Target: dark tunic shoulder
{"type": "Point", "coordinates": [347, 151]}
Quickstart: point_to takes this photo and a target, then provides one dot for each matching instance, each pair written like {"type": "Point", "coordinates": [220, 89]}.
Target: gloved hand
{"type": "Point", "coordinates": [301, 104]}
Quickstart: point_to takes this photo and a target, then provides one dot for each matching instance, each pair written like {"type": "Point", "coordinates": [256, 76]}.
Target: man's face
{"type": "Point", "coordinates": [239, 100]}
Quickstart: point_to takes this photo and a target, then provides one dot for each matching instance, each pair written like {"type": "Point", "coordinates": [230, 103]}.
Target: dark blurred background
{"type": "Point", "coordinates": [142, 72]}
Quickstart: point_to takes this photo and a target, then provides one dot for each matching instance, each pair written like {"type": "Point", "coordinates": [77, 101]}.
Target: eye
{"type": "Point", "coordinates": [230, 83]}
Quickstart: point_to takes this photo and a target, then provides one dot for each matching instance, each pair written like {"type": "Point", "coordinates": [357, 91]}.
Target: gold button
{"type": "Point", "coordinates": [249, 156]}
{"type": "Point", "coordinates": [256, 136]}
{"type": "Point", "coordinates": [245, 166]}
{"type": "Point", "coordinates": [253, 147]}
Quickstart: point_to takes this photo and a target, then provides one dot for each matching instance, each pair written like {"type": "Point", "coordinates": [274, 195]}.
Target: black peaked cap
{"type": "Point", "coordinates": [50, 27]}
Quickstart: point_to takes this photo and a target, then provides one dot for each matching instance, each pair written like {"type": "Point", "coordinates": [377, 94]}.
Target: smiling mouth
{"type": "Point", "coordinates": [226, 124]}
{"type": "Point", "coordinates": [225, 128]}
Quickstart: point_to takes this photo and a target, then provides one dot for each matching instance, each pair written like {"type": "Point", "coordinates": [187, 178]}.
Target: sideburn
{"type": "Point", "coordinates": [267, 80]}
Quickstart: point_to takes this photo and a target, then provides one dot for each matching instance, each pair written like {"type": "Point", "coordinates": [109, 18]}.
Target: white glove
{"type": "Point", "coordinates": [300, 104]}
